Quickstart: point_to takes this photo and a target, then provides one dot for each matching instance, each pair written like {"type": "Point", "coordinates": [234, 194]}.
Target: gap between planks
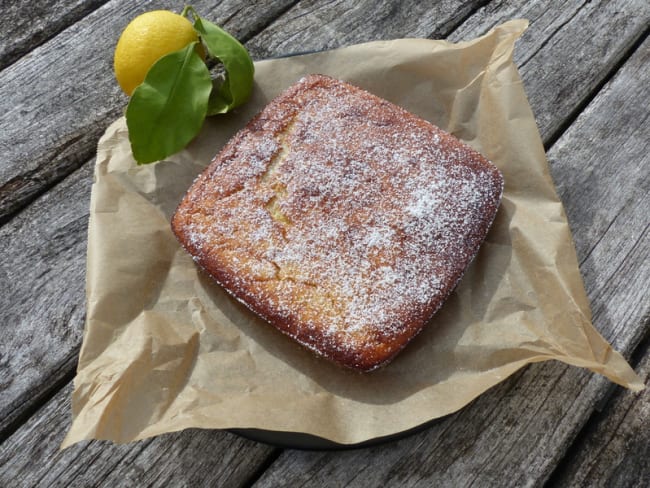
{"type": "Point", "coordinates": [266, 464]}
{"type": "Point", "coordinates": [38, 37]}
{"type": "Point", "coordinates": [600, 414]}
{"type": "Point", "coordinates": [40, 30]}
{"type": "Point", "coordinates": [568, 121]}
{"type": "Point", "coordinates": [67, 377]}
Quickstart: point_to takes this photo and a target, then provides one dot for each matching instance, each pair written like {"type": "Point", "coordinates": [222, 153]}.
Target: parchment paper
{"type": "Point", "coordinates": [167, 349]}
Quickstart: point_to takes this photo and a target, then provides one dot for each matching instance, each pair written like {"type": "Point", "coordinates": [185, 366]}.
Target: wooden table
{"type": "Point", "coordinates": [586, 69]}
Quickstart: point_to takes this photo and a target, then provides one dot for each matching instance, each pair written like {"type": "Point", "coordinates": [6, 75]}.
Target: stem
{"type": "Point", "coordinates": [188, 9]}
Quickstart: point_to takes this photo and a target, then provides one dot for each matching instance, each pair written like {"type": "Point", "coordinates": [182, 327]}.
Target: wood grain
{"type": "Point", "coordinates": [614, 449]}
{"type": "Point", "coordinates": [544, 20]}
{"type": "Point", "coordinates": [42, 304]}
{"type": "Point", "coordinates": [315, 26]}
{"type": "Point", "coordinates": [567, 53]}
{"type": "Point", "coordinates": [192, 458]}
{"type": "Point", "coordinates": [57, 100]}
{"type": "Point", "coordinates": [600, 167]}
{"type": "Point", "coordinates": [26, 25]}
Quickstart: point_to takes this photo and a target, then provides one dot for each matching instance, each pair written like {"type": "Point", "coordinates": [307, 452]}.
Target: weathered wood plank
{"type": "Point", "coordinates": [192, 458]}
{"type": "Point", "coordinates": [544, 22]}
{"type": "Point", "coordinates": [42, 304]}
{"type": "Point", "coordinates": [26, 25]}
{"type": "Point", "coordinates": [568, 51]}
{"type": "Point", "coordinates": [524, 427]}
{"type": "Point", "coordinates": [56, 101]}
{"type": "Point", "coordinates": [614, 449]}
{"type": "Point", "coordinates": [315, 26]}
{"type": "Point", "coordinates": [502, 402]}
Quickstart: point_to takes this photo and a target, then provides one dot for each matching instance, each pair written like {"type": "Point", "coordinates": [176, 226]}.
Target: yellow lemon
{"type": "Point", "coordinates": [145, 40]}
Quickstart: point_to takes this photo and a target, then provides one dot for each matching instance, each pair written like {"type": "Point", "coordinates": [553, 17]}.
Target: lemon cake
{"type": "Point", "coordinates": [340, 218]}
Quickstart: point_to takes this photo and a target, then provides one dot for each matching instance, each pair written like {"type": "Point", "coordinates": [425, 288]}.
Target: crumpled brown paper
{"type": "Point", "coordinates": [167, 349]}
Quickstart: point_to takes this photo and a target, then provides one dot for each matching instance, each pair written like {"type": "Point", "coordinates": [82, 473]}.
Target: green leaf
{"type": "Point", "coordinates": [168, 109]}
{"type": "Point", "coordinates": [238, 84]}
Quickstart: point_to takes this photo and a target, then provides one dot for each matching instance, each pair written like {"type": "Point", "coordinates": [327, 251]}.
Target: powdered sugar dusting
{"type": "Point", "coordinates": [341, 216]}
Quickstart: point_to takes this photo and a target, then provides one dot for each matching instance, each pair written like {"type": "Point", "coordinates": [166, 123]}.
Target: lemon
{"type": "Point", "coordinates": [145, 40]}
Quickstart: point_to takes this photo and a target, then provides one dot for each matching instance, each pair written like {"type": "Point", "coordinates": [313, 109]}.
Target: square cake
{"type": "Point", "coordinates": [341, 219]}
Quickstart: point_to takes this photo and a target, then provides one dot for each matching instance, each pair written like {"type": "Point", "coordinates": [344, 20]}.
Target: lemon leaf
{"type": "Point", "coordinates": [238, 84]}
{"type": "Point", "coordinates": [167, 110]}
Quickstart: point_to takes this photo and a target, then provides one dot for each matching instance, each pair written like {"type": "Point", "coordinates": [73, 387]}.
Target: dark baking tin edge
{"type": "Point", "coordinates": [309, 442]}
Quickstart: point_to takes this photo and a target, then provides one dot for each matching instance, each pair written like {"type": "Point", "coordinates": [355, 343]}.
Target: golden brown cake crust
{"type": "Point", "coordinates": [340, 218]}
